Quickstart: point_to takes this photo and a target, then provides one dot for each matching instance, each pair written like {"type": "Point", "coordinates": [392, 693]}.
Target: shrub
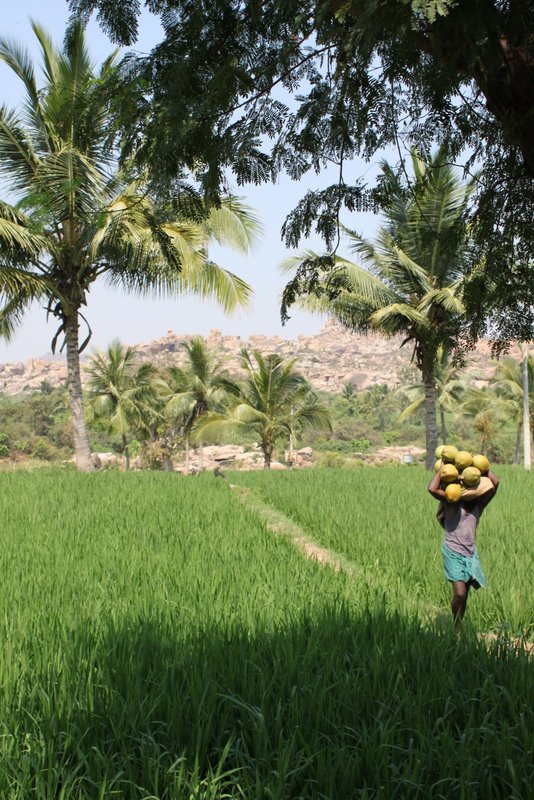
{"type": "Point", "coordinates": [361, 445]}
{"type": "Point", "coordinates": [330, 460]}
{"type": "Point", "coordinates": [41, 449]}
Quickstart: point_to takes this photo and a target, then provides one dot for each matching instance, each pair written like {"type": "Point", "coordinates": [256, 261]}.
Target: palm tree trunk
{"type": "Point", "coordinates": [126, 452]}
{"type": "Point", "coordinates": [518, 442]}
{"type": "Point", "coordinates": [443, 426]}
{"type": "Point", "coordinates": [526, 412]}
{"type": "Point", "coordinates": [74, 383]}
{"type": "Point", "coordinates": [267, 454]}
{"type": "Point", "coordinates": [200, 457]}
{"type": "Point", "coordinates": [429, 384]}
{"type": "Point", "coordinates": [186, 444]}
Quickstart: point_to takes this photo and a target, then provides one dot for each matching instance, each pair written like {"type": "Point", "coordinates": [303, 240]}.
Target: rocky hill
{"type": "Point", "coordinates": [329, 359]}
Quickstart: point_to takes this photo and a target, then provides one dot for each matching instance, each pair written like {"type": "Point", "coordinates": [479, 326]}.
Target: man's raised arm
{"type": "Point", "coordinates": [433, 487]}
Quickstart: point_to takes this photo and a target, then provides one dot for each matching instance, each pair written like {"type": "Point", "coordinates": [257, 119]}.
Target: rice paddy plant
{"type": "Point", "coordinates": [158, 642]}
{"type": "Point", "coordinates": [383, 520]}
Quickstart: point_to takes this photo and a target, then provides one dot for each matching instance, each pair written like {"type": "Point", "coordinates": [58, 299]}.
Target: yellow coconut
{"type": "Point", "coordinates": [471, 476]}
{"type": "Point", "coordinates": [449, 473]}
{"type": "Point", "coordinates": [437, 465]}
{"type": "Point", "coordinates": [448, 454]}
{"type": "Point", "coordinates": [463, 459]}
{"type": "Point", "coordinates": [481, 463]}
{"type": "Point", "coordinates": [438, 450]}
{"type": "Point", "coordinates": [453, 492]}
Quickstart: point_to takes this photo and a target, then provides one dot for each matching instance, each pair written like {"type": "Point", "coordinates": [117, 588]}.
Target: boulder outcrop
{"type": "Point", "coordinates": [330, 359]}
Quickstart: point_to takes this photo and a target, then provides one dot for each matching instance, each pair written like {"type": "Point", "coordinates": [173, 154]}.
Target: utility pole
{"type": "Point", "coordinates": [526, 411]}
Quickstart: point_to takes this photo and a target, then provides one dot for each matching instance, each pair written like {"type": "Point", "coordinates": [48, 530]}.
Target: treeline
{"type": "Point", "coordinates": [155, 414]}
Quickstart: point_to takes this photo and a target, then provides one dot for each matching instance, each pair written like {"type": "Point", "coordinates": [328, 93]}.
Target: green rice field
{"type": "Point", "coordinates": [159, 641]}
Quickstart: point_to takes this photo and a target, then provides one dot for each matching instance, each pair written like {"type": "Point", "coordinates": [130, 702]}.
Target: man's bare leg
{"type": "Point", "coordinates": [460, 592]}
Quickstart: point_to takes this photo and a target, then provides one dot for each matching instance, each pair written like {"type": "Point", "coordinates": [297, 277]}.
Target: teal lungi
{"type": "Point", "coordinates": [463, 568]}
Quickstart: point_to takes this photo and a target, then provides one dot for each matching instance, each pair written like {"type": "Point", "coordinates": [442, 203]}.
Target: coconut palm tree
{"type": "Point", "coordinates": [120, 392]}
{"type": "Point", "coordinates": [410, 279]}
{"type": "Point", "coordinates": [488, 412]}
{"type": "Point", "coordinates": [79, 218]}
{"type": "Point", "coordinates": [449, 389]}
{"type": "Point", "coordinates": [274, 402]}
{"type": "Point", "coordinates": [508, 384]}
{"type": "Point", "coordinates": [190, 393]}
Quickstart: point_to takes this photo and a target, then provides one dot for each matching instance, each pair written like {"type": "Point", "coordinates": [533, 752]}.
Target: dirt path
{"type": "Point", "coordinates": [280, 525]}
{"type": "Point", "coordinates": [277, 522]}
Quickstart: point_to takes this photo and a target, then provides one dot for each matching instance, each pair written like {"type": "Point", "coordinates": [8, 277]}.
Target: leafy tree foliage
{"type": "Point", "coordinates": [508, 384]}
{"type": "Point", "coordinates": [413, 274]}
{"type": "Point", "coordinates": [488, 413]}
{"type": "Point", "coordinates": [79, 218]}
{"type": "Point", "coordinates": [36, 426]}
{"type": "Point", "coordinates": [361, 75]}
{"type": "Point", "coordinates": [449, 389]}
{"type": "Point", "coordinates": [274, 401]}
{"type": "Point", "coordinates": [362, 420]}
{"type": "Point", "coordinates": [120, 392]}
{"type": "Point", "coordinates": [189, 394]}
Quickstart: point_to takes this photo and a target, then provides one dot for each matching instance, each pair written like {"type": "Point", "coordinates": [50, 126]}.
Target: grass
{"type": "Point", "coordinates": [383, 521]}
{"type": "Point", "coordinates": [159, 642]}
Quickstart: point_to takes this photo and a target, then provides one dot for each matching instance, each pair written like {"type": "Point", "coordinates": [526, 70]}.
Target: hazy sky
{"type": "Point", "coordinates": [113, 314]}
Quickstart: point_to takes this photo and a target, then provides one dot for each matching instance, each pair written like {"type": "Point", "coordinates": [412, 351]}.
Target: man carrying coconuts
{"type": "Point", "coordinates": [464, 485]}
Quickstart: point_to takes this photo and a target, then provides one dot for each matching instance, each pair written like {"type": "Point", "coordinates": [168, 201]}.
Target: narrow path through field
{"type": "Point", "coordinates": [279, 524]}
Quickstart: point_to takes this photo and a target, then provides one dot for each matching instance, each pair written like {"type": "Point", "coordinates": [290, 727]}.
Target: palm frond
{"type": "Point", "coordinates": [313, 415]}
{"type": "Point", "coordinates": [15, 281]}
{"type": "Point", "coordinates": [446, 298]}
{"type": "Point", "coordinates": [18, 242]}
{"type": "Point", "coordinates": [234, 224]}
{"type": "Point", "coordinates": [407, 275]}
{"type": "Point", "coordinates": [398, 317]}
{"type": "Point", "coordinates": [18, 290]}
{"type": "Point", "coordinates": [18, 60]}
{"type": "Point", "coordinates": [412, 408]}
{"type": "Point", "coordinates": [18, 159]}
{"type": "Point", "coordinates": [246, 414]}
{"type": "Point", "coordinates": [215, 426]}
{"type": "Point", "coordinates": [352, 277]}
{"type": "Point", "coordinates": [49, 53]}
{"type": "Point", "coordinates": [72, 184]}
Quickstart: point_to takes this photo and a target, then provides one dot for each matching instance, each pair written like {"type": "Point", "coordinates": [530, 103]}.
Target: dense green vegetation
{"type": "Point", "coordinates": [38, 425]}
{"type": "Point", "coordinates": [158, 642]}
{"type": "Point", "coordinates": [289, 87]}
{"type": "Point", "coordinates": [78, 216]}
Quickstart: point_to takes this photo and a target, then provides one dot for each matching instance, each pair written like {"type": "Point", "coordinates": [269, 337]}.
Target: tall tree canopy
{"type": "Point", "coordinates": [410, 280]}
{"type": "Point", "coordinates": [285, 85]}
{"type": "Point", "coordinates": [274, 401]}
{"type": "Point", "coordinates": [120, 392]}
{"type": "Point", "coordinates": [80, 218]}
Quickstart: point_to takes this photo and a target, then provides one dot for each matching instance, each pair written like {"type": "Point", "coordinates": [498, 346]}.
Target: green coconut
{"type": "Point", "coordinates": [449, 473]}
{"type": "Point", "coordinates": [462, 460]}
{"type": "Point", "coordinates": [481, 462]}
{"type": "Point", "coordinates": [448, 454]}
{"type": "Point", "coordinates": [453, 492]}
{"type": "Point", "coordinates": [471, 477]}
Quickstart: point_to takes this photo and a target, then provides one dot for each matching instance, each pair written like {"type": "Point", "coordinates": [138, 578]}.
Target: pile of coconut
{"type": "Point", "coordinates": [461, 472]}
